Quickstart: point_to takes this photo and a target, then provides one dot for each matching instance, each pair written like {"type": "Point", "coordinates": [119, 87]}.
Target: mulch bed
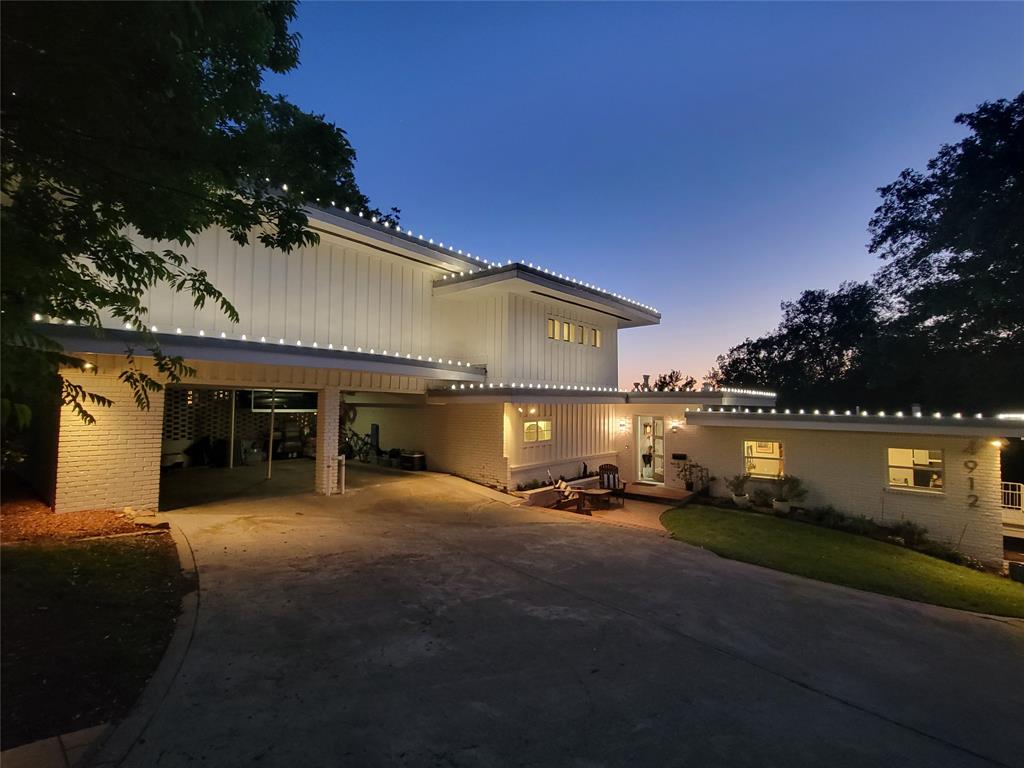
{"type": "Point", "coordinates": [24, 518]}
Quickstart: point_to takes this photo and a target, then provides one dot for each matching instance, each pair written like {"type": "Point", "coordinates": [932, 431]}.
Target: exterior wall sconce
{"type": "Point", "coordinates": [675, 426]}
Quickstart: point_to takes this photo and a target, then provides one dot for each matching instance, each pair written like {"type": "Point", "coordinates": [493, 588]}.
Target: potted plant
{"type": "Point", "coordinates": [737, 484]}
{"type": "Point", "coordinates": [788, 489]}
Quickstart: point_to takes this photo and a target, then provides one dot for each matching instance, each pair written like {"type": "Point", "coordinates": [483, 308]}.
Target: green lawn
{"type": "Point", "coordinates": [843, 558]}
{"type": "Point", "coordinates": [85, 624]}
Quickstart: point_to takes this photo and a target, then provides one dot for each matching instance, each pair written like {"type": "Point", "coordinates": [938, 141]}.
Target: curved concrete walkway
{"type": "Point", "coordinates": [424, 621]}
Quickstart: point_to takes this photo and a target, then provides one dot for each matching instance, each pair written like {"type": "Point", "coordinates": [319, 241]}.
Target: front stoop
{"type": "Point", "coordinates": [66, 751]}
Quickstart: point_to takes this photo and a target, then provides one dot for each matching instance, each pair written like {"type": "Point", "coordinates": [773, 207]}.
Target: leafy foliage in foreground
{"type": "Point", "coordinates": [133, 123]}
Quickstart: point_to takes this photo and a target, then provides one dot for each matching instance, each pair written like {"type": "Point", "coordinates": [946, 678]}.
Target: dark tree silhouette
{"type": "Point", "coordinates": [942, 323]}
{"type": "Point", "coordinates": [146, 119]}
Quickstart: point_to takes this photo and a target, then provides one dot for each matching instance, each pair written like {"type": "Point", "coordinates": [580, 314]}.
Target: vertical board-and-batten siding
{"type": "Point", "coordinates": [580, 432]}
{"type": "Point", "coordinates": [536, 358]}
{"type": "Point", "coordinates": [350, 294]}
{"type": "Point", "coordinates": [335, 292]}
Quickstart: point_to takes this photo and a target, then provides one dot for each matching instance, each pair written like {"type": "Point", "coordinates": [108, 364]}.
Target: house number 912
{"type": "Point", "coordinates": [972, 498]}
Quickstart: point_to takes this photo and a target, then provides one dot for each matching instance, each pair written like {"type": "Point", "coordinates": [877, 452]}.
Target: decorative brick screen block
{"type": "Point", "coordinates": [328, 411]}
{"type": "Point", "coordinates": [114, 463]}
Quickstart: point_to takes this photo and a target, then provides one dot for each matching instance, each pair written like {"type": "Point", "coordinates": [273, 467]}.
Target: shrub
{"type": "Point", "coordinates": [789, 488]}
{"type": "Point", "coordinates": [737, 484]}
{"type": "Point", "coordinates": [761, 497]}
{"type": "Point", "coordinates": [912, 533]}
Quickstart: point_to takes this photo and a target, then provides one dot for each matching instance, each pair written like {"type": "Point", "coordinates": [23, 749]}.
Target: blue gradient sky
{"type": "Point", "coordinates": [709, 159]}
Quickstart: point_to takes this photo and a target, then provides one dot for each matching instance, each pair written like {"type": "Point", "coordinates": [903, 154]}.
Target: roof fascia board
{"type": "Point", "coordinates": [966, 427]}
{"type": "Point", "coordinates": [213, 349]}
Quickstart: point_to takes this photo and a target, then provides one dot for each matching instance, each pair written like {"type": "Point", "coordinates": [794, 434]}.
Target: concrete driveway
{"type": "Point", "coordinates": [423, 621]}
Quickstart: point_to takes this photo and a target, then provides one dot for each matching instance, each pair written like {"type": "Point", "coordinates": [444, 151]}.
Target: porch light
{"type": "Point", "coordinates": [153, 328]}
{"type": "Point", "coordinates": [177, 330]}
{"type": "Point", "coordinates": [263, 339]}
{"type": "Point", "coordinates": [223, 335]}
{"type": "Point", "coordinates": [37, 317]}
{"type": "Point", "coordinates": [203, 333]}
{"type": "Point", "coordinates": [998, 443]}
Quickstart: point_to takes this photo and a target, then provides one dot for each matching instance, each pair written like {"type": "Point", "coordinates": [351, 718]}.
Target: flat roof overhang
{"type": "Point", "coordinates": [732, 397]}
{"type": "Point", "coordinates": [353, 228]}
{"type": "Point", "coordinates": [493, 393]}
{"type": "Point", "coordinates": [85, 340]}
{"type": "Point", "coordinates": [967, 426]}
{"type": "Point", "coordinates": [520, 278]}
{"type": "Point", "coordinates": [561, 393]}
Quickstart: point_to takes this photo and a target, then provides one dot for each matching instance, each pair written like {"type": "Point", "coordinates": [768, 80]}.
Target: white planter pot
{"type": "Point", "coordinates": [780, 506]}
{"type": "Point", "coordinates": [743, 502]}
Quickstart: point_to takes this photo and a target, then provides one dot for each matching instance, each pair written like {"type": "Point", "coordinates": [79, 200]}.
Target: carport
{"type": "Point", "coordinates": [132, 458]}
{"type": "Point", "coordinates": [226, 443]}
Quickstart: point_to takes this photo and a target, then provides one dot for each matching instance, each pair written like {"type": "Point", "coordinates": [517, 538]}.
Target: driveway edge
{"type": "Point", "coordinates": [114, 749]}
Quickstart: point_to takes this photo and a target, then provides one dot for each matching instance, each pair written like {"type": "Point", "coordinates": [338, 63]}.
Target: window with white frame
{"type": "Point", "coordinates": [916, 468]}
{"type": "Point", "coordinates": [763, 458]}
{"type": "Point", "coordinates": [536, 430]}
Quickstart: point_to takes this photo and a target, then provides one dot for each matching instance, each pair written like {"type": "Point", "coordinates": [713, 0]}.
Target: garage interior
{"type": "Point", "coordinates": [220, 444]}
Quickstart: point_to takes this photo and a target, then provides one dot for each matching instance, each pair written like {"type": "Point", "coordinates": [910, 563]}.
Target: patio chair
{"type": "Point", "coordinates": [609, 474]}
{"type": "Point", "coordinates": [568, 497]}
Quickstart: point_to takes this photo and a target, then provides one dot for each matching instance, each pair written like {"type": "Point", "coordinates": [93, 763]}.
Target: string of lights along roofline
{"type": "Point", "coordinates": [485, 263]}
{"type": "Point", "coordinates": [540, 387]}
{"type": "Point", "coordinates": [818, 412]}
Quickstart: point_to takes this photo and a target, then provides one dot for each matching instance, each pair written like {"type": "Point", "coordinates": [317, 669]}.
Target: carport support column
{"type": "Point", "coordinates": [328, 412]}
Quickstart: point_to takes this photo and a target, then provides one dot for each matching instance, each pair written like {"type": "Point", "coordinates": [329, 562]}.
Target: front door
{"type": "Point", "coordinates": [650, 447]}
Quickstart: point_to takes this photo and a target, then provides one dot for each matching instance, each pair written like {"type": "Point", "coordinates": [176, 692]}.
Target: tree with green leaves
{"type": "Point", "coordinates": [942, 323]}
{"type": "Point", "coordinates": [125, 122]}
{"type": "Point", "coordinates": [821, 351]}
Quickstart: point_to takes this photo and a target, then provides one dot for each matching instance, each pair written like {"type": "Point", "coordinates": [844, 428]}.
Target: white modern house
{"type": "Point", "coordinates": [499, 373]}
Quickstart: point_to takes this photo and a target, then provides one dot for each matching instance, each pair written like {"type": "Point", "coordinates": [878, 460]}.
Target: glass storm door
{"type": "Point", "coordinates": [650, 448]}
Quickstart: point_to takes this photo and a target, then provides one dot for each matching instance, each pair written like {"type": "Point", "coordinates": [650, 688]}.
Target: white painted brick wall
{"type": "Point", "coordinates": [114, 463]}
{"type": "Point", "coordinates": [849, 471]}
{"type": "Point", "coordinates": [467, 440]}
{"type": "Point", "coordinates": [328, 409]}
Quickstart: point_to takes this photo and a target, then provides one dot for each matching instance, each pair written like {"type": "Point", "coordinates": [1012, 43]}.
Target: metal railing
{"type": "Point", "coordinates": [1012, 493]}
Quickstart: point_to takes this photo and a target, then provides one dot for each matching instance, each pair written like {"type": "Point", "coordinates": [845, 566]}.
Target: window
{"type": "Point", "coordinates": [762, 458]}
{"type": "Point", "coordinates": [915, 468]}
{"type": "Point", "coordinates": [573, 333]}
{"type": "Point", "coordinates": [536, 431]}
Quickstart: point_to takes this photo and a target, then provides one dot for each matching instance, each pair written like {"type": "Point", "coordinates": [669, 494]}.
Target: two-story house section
{"type": "Point", "coordinates": [501, 373]}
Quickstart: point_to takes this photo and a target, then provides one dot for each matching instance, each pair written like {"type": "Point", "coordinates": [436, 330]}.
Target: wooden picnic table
{"type": "Point", "coordinates": [595, 495]}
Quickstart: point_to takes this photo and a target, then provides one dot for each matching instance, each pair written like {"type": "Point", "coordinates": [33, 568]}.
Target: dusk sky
{"type": "Point", "coordinates": [709, 159]}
